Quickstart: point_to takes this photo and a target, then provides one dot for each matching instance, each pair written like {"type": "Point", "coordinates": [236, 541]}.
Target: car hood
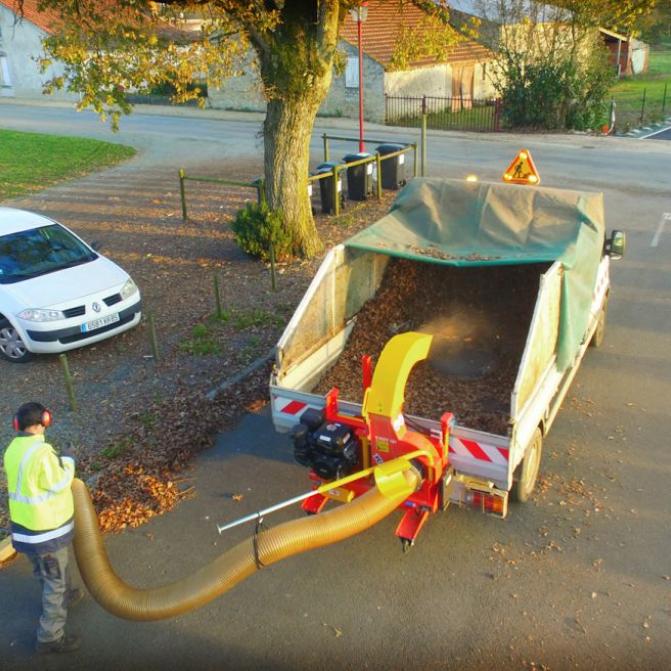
{"type": "Point", "coordinates": [63, 286]}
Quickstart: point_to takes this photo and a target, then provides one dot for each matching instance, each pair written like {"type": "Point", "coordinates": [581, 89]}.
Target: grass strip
{"type": "Point", "coordinates": [32, 161]}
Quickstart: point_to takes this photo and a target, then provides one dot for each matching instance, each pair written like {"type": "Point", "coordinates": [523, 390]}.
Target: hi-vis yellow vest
{"type": "Point", "coordinates": [38, 484]}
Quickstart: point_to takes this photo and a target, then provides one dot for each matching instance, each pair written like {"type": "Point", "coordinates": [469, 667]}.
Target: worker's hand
{"type": "Point", "coordinates": [67, 452]}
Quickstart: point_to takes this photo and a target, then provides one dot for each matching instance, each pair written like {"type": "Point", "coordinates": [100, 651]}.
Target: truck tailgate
{"type": "Point", "coordinates": [476, 453]}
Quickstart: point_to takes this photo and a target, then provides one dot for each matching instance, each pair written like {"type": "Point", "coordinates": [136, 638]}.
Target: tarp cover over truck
{"type": "Point", "coordinates": [460, 223]}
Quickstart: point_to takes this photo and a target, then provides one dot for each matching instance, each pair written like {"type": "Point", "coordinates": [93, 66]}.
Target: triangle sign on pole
{"type": "Point", "coordinates": [522, 170]}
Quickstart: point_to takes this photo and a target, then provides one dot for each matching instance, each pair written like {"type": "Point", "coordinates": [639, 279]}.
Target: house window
{"type": "Point", "coordinates": [352, 72]}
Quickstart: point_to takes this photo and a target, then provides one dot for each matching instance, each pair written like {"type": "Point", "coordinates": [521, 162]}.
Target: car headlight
{"type": "Point", "coordinates": [128, 289]}
{"type": "Point", "coordinates": [37, 315]}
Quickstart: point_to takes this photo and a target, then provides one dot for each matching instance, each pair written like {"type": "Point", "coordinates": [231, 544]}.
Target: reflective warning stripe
{"type": "Point", "coordinates": [51, 492]}
{"type": "Point", "coordinates": [43, 537]}
{"type": "Point", "coordinates": [462, 447]}
{"type": "Point", "coordinates": [293, 407]}
{"type": "Point", "coordinates": [16, 495]}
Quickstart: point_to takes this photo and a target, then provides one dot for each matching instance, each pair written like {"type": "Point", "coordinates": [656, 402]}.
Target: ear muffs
{"type": "Point", "coordinates": [46, 420]}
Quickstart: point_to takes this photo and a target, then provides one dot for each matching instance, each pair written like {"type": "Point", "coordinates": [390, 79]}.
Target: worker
{"type": "Point", "coordinates": [41, 511]}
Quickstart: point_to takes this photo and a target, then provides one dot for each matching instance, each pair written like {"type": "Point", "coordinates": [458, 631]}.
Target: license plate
{"type": "Point", "coordinates": [99, 323]}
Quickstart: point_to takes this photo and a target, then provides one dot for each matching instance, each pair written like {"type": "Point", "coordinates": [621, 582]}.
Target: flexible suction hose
{"type": "Point", "coordinates": [228, 569]}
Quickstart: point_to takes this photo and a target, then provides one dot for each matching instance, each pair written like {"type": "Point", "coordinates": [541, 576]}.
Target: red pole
{"type": "Point", "coordinates": [359, 23]}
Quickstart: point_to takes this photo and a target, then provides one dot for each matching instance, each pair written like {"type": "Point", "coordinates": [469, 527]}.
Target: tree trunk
{"type": "Point", "coordinates": [287, 130]}
{"type": "Point", "coordinates": [296, 65]}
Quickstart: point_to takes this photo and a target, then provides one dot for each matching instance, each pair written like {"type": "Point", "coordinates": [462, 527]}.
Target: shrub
{"type": "Point", "coordinates": [554, 93]}
{"type": "Point", "coordinates": [256, 227]}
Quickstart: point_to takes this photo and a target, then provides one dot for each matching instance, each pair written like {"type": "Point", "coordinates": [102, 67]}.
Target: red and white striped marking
{"type": "Point", "coordinates": [294, 408]}
{"type": "Point", "coordinates": [462, 447]}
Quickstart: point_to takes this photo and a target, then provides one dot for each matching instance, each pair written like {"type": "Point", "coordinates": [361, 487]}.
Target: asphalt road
{"type": "Point", "coordinates": [660, 135]}
{"type": "Point", "coordinates": [578, 578]}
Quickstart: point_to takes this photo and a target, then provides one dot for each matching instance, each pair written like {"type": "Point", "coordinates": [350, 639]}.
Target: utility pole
{"type": "Point", "coordinates": [359, 15]}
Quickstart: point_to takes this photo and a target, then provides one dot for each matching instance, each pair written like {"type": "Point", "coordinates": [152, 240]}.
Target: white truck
{"type": "Point", "coordinates": [458, 225]}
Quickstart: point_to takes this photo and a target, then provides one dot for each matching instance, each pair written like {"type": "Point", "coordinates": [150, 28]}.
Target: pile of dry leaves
{"type": "Point", "coordinates": [148, 479]}
{"type": "Point", "coordinates": [479, 318]}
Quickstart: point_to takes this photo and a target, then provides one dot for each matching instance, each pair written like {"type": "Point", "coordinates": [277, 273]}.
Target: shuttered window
{"type": "Point", "coordinates": [352, 72]}
{"type": "Point", "coordinates": [5, 77]}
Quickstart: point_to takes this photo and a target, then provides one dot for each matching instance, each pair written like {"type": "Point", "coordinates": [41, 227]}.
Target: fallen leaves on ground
{"type": "Point", "coordinates": [148, 480]}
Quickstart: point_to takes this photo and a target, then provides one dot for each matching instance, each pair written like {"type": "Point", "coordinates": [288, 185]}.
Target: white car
{"type": "Point", "coordinates": [57, 292]}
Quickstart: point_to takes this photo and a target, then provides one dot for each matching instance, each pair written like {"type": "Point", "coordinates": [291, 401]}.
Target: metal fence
{"type": "Point", "coordinates": [461, 113]}
{"type": "Point", "coordinates": [649, 104]}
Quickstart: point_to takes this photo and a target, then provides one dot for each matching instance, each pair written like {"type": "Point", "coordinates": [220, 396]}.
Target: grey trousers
{"type": "Point", "coordinates": [53, 572]}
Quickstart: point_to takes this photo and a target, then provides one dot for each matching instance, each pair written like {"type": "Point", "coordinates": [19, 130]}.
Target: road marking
{"type": "Point", "coordinates": [657, 132]}
{"type": "Point", "coordinates": [660, 229]}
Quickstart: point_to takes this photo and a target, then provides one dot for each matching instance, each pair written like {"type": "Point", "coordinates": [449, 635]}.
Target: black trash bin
{"type": "Point", "coordinates": [326, 188]}
{"type": "Point", "coordinates": [393, 169]}
{"type": "Point", "coordinates": [359, 178]}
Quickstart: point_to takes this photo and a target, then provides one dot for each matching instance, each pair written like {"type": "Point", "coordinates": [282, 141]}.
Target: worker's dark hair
{"type": "Point", "coordinates": [30, 414]}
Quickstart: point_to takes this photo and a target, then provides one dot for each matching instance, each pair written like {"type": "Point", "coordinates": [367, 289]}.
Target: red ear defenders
{"type": "Point", "coordinates": [46, 420]}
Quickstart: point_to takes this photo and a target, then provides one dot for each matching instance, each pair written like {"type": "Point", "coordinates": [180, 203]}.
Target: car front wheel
{"type": "Point", "coordinates": [12, 346]}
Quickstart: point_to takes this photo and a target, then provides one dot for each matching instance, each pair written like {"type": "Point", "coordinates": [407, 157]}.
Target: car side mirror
{"type": "Point", "coordinates": [616, 245]}
{"type": "Point", "coordinates": [96, 245]}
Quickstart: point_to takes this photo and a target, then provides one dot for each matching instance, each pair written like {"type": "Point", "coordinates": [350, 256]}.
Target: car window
{"type": "Point", "coordinates": [39, 251]}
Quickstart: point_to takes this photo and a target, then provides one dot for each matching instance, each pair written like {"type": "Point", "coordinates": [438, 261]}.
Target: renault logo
{"type": "Point", "coordinates": [96, 307]}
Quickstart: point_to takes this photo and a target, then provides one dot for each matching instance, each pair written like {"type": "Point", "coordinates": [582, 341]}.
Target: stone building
{"type": "Point", "coordinates": [461, 73]}
{"type": "Point", "coordinates": [21, 46]}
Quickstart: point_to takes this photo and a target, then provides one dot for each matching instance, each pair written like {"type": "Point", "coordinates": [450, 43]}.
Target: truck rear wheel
{"type": "Point", "coordinates": [600, 331]}
{"type": "Point", "coordinates": [526, 473]}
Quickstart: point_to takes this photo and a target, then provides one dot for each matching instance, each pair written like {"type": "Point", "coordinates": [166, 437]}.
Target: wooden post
{"type": "Point", "coordinates": [325, 138]}
{"type": "Point", "coordinates": [336, 193]}
{"type": "Point", "coordinates": [414, 160]}
{"type": "Point", "coordinates": [260, 184]}
{"type": "Point", "coordinates": [217, 297]}
{"type": "Point", "coordinates": [423, 158]}
{"type": "Point", "coordinates": [497, 115]}
{"type": "Point", "coordinates": [182, 192]}
{"type": "Point", "coordinates": [666, 86]}
{"type": "Point", "coordinates": [152, 337]}
{"type": "Point", "coordinates": [378, 164]}
{"type": "Point", "coordinates": [423, 161]}
{"type": "Point", "coordinates": [643, 105]}
{"type": "Point", "coordinates": [69, 387]}
{"type": "Point", "coordinates": [273, 281]}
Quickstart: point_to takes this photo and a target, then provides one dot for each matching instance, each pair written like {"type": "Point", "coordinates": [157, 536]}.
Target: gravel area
{"type": "Point", "coordinates": [479, 318]}
{"type": "Point", "coordinates": [136, 413]}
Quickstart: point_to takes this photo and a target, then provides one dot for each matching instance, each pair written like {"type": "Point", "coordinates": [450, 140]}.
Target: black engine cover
{"type": "Point", "coordinates": [331, 449]}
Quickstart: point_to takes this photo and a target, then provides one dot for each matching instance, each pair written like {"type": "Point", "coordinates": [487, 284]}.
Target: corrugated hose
{"type": "Point", "coordinates": [222, 574]}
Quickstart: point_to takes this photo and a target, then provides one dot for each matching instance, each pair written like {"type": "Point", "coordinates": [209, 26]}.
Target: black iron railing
{"type": "Point", "coordinates": [461, 113]}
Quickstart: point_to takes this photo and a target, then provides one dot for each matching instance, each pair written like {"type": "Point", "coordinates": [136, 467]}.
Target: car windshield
{"type": "Point", "coordinates": [39, 251]}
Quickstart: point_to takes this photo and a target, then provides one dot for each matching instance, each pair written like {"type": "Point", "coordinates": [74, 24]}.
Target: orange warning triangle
{"type": "Point", "coordinates": [522, 170]}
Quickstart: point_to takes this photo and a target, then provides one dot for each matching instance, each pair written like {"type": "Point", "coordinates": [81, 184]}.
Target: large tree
{"type": "Point", "coordinates": [110, 47]}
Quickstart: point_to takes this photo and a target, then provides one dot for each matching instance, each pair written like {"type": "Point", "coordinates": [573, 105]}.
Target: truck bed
{"type": "Point", "coordinates": [479, 318]}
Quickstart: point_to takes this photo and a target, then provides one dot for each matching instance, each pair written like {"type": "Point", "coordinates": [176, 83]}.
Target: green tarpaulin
{"type": "Point", "coordinates": [462, 223]}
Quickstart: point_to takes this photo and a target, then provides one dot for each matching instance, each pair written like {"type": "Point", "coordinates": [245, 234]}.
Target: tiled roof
{"type": "Point", "coordinates": [46, 20]}
{"type": "Point", "coordinates": [49, 19]}
{"type": "Point", "coordinates": [382, 28]}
